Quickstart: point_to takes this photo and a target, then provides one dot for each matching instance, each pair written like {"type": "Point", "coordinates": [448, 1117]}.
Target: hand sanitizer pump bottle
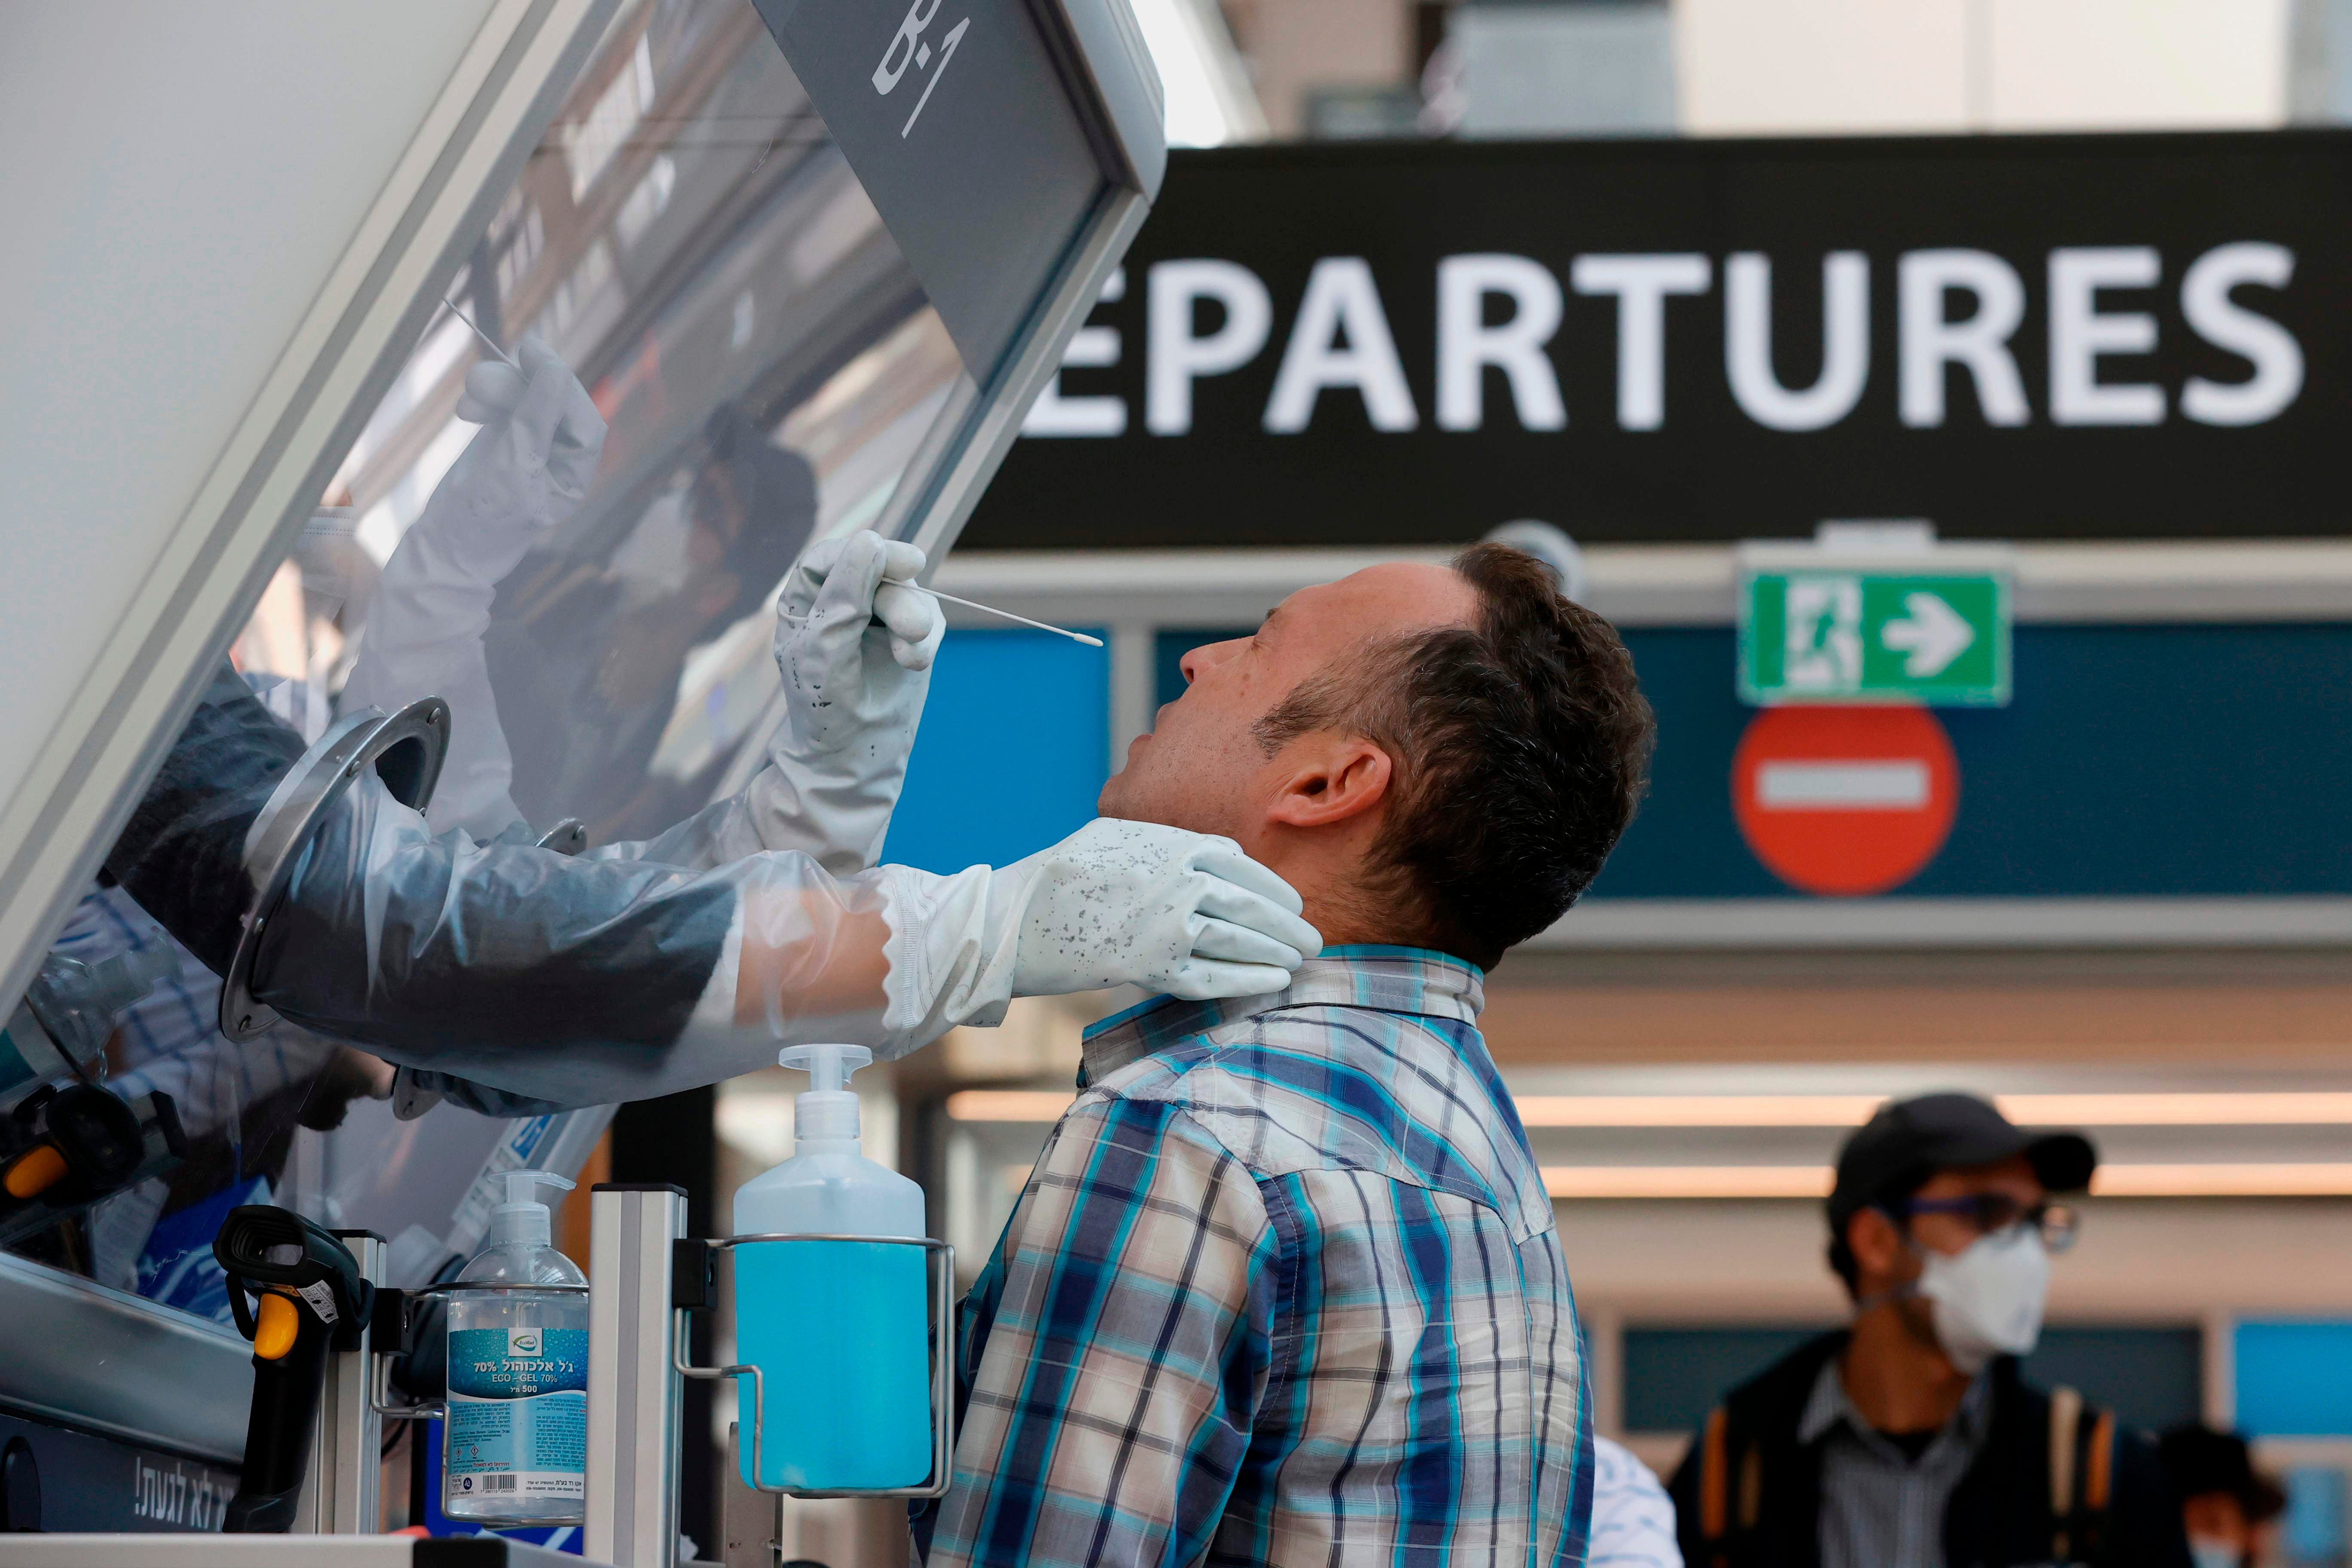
{"type": "Point", "coordinates": [839, 1330]}
{"type": "Point", "coordinates": [515, 1450]}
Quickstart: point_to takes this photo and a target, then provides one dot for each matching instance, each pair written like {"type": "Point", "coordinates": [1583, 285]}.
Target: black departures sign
{"type": "Point", "coordinates": [2045, 337]}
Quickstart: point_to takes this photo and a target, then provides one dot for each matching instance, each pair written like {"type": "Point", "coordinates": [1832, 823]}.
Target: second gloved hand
{"type": "Point", "coordinates": [1115, 903]}
{"type": "Point", "coordinates": [1137, 903]}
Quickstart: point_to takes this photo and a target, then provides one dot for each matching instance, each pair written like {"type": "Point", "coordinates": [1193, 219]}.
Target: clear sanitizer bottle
{"type": "Point", "coordinates": [839, 1330]}
{"type": "Point", "coordinates": [515, 1449]}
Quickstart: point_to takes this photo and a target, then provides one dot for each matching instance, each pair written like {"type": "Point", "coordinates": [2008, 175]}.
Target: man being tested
{"type": "Point", "coordinates": [1283, 1287]}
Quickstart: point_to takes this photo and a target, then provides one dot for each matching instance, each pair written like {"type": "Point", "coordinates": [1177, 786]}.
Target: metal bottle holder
{"type": "Point", "coordinates": [940, 1260]}
{"type": "Point", "coordinates": [395, 1336]}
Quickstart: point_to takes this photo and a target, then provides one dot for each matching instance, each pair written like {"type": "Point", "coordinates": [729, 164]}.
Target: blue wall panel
{"type": "Point", "coordinates": [2294, 1379]}
{"type": "Point", "coordinates": [1013, 751]}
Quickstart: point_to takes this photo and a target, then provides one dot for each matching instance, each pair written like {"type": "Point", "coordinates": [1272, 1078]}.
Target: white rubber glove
{"type": "Point", "coordinates": [1115, 903]}
{"type": "Point", "coordinates": [855, 648]}
{"type": "Point", "coordinates": [526, 471]}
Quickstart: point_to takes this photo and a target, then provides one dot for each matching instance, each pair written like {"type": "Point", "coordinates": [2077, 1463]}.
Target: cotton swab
{"type": "Point", "coordinates": [992, 610]}
{"type": "Point", "coordinates": [478, 331]}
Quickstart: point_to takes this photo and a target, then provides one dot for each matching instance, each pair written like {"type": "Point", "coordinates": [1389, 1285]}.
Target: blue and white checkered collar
{"type": "Point", "coordinates": [1418, 981]}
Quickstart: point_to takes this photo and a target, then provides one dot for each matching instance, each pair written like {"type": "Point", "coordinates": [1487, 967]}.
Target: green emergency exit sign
{"type": "Point", "coordinates": [1901, 630]}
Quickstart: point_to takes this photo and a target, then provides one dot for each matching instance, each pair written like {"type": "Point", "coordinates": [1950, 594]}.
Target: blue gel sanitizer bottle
{"type": "Point", "coordinates": [839, 1330]}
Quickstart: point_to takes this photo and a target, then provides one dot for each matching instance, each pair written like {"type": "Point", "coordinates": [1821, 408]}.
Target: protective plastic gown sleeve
{"type": "Point", "coordinates": [569, 982]}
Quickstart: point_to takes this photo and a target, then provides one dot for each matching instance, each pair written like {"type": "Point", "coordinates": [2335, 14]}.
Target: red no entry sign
{"type": "Point", "coordinates": [1844, 800]}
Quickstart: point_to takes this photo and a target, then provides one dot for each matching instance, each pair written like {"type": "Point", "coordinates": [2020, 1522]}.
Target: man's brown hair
{"type": "Point", "coordinates": [1521, 746]}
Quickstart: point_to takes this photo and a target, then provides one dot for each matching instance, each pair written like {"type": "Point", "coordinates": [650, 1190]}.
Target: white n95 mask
{"type": "Point", "coordinates": [1988, 1300]}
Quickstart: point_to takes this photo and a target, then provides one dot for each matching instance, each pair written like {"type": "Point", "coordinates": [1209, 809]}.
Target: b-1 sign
{"type": "Point", "coordinates": [1929, 627]}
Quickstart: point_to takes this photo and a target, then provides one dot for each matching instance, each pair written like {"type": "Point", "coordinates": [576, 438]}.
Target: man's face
{"type": "Point", "coordinates": [1201, 768]}
{"type": "Point", "coordinates": [1942, 1231]}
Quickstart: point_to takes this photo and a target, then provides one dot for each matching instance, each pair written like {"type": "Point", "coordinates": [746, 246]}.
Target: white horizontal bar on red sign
{"type": "Point", "coordinates": [1892, 783]}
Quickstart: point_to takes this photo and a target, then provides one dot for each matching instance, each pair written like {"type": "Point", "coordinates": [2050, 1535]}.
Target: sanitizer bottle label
{"type": "Point", "coordinates": [518, 1413]}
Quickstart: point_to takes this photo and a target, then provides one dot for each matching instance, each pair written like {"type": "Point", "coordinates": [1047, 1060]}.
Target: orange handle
{"type": "Point", "coordinates": [275, 1325]}
{"type": "Point", "coordinates": [36, 1171]}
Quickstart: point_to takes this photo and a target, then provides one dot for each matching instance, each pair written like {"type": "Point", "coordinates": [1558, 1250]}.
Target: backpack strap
{"type": "Point", "coordinates": [1715, 1479]}
{"type": "Point", "coordinates": [2098, 1487]}
{"type": "Point", "coordinates": [2099, 1465]}
{"type": "Point", "coordinates": [2065, 1417]}
{"type": "Point", "coordinates": [1716, 1520]}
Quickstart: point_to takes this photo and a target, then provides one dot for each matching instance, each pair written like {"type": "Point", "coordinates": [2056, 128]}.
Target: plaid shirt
{"type": "Point", "coordinates": [1282, 1289]}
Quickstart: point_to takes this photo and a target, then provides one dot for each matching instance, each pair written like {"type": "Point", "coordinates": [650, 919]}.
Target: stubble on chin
{"type": "Point", "coordinates": [1132, 795]}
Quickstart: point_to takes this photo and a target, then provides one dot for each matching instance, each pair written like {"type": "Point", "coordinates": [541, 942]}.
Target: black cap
{"type": "Point", "coordinates": [1909, 1140]}
{"type": "Point", "coordinates": [2199, 1460]}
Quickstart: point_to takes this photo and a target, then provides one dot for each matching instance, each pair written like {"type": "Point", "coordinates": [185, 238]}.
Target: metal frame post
{"type": "Point", "coordinates": [341, 1491]}
{"type": "Point", "coordinates": [634, 1394]}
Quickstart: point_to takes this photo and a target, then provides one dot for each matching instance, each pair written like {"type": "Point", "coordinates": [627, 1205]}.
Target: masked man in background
{"type": "Point", "coordinates": [1911, 1441]}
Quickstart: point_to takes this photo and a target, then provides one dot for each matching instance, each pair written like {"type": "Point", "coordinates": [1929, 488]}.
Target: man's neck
{"type": "Point", "coordinates": [1328, 880]}
{"type": "Point", "coordinates": [1896, 1380]}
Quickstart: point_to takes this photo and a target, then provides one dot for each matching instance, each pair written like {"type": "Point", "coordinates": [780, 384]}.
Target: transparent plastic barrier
{"type": "Point", "coordinates": [689, 238]}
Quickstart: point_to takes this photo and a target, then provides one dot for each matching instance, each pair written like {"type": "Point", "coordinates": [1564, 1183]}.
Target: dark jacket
{"type": "Point", "coordinates": [2000, 1516]}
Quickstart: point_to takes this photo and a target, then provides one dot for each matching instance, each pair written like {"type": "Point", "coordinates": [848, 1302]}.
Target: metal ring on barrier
{"type": "Point", "coordinates": [406, 750]}
{"type": "Point", "coordinates": [568, 836]}
{"type": "Point", "coordinates": [941, 1257]}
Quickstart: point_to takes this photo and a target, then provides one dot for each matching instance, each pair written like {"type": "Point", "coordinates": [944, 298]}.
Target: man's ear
{"type": "Point", "coordinates": [1332, 778]}
{"type": "Point", "coordinates": [1877, 1248]}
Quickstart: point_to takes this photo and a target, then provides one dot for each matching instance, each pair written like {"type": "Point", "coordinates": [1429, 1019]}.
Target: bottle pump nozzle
{"type": "Point", "coordinates": [827, 1109]}
{"type": "Point", "coordinates": [523, 1217]}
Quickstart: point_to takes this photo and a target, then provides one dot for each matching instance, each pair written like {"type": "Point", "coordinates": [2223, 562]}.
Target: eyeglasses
{"type": "Point", "coordinates": [1992, 1212]}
